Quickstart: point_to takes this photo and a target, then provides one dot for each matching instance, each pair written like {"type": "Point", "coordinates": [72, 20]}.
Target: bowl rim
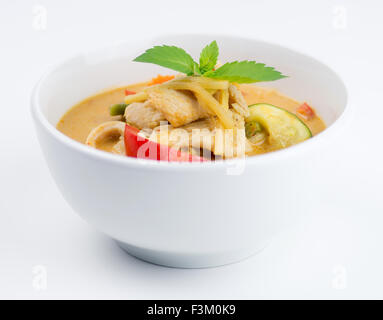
{"type": "Point", "coordinates": [99, 155]}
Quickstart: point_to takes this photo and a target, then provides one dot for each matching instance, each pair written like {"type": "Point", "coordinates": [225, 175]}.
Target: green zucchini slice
{"type": "Point", "coordinates": [284, 128]}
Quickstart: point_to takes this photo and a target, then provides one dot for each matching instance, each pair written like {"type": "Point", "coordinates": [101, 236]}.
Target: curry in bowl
{"type": "Point", "coordinates": [208, 112]}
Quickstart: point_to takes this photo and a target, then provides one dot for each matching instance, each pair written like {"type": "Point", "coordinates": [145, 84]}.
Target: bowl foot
{"type": "Point", "coordinates": [187, 260]}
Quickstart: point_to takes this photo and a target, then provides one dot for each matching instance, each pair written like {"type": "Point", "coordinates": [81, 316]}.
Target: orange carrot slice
{"type": "Point", "coordinates": [160, 79]}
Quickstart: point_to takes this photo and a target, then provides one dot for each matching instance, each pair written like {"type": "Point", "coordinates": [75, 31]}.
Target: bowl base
{"type": "Point", "coordinates": [188, 260]}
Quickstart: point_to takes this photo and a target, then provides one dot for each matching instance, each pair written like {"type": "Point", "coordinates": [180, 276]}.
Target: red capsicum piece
{"type": "Point", "coordinates": [128, 92]}
{"type": "Point", "coordinates": [137, 146]}
{"type": "Point", "coordinates": [306, 111]}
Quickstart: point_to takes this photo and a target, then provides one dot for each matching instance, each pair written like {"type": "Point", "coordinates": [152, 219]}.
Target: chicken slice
{"type": "Point", "coordinates": [143, 115]}
{"type": "Point", "coordinates": [178, 107]}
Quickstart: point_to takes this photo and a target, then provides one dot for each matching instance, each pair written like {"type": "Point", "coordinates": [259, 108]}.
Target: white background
{"type": "Point", "coordinates": [334, 252]}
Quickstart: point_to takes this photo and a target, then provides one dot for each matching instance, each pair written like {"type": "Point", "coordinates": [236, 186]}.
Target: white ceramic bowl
{"type": "Point", "coordinates": [186, 214]}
